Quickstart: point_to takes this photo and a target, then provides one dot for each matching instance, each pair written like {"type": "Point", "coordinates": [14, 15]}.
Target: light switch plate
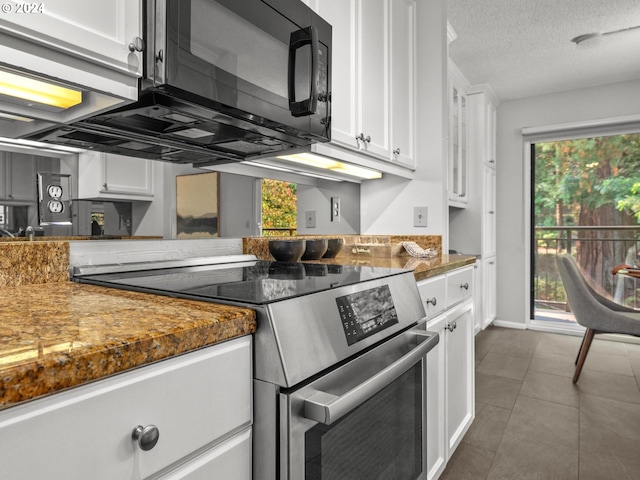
{"type": "Point", "coordinates": [419, 216]}
{"type": "Point", "coordinates": [310, 217]}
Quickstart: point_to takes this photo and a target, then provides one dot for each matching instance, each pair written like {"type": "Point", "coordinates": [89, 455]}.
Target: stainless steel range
{"type": "Point", "coordinates": [339, 361]}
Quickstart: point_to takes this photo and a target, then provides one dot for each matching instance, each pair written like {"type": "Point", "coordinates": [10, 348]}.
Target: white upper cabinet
{"type": "Point", "coordinates": [403, 82]}
{"type": "Point", "coordinates": [372, 90]}
{"type": "Point", "coordinates": [93, 46]}
{"type": "Point", "coordinates": [373, 77]}
{"type": "Point", "coordinates": [97, 30]}
{"type": "Point", "coordinates": [108, 176]}
{"type": "Point", "coordinates": [458, 145]}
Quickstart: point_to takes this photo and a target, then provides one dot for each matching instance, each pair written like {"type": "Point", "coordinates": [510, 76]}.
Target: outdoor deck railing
{"type": "Point", "coordinates": [622, 243]}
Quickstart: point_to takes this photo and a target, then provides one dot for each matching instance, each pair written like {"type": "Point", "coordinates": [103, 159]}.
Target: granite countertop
{"type": "Point", "coordinates": [59, 335]}
{"type": "Point", "coordinates": [422, 267]}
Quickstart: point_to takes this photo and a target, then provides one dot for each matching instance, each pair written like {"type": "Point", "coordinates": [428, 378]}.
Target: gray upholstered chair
{"type": "Point", "coordinates": [593, 311]}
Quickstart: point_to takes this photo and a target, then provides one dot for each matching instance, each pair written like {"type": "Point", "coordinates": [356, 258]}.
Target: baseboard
{"type": "Point", "coordinates": [504, 323]}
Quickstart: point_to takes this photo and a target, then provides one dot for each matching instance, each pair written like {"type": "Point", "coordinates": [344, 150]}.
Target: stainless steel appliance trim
{"type": "Point", "coordinates": [326, 407]}
{"type": "Point", "coordinates": [141, 266]}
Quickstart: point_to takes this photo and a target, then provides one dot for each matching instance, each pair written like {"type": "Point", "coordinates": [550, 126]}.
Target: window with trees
{"type": "Point", "coordinates": [585, 201]}
{"type": "Point", "coordinates": [279, 211]}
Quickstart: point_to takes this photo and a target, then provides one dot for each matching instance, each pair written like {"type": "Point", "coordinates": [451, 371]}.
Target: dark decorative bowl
{"type": "Point", "coordinates": [334, 245]}
{"type": "Point", "coordinates": [287, 250]}
{"type": "Point", "coordinates": [315, 269]}
{"type": "Point", "coordinates": [316, 248]}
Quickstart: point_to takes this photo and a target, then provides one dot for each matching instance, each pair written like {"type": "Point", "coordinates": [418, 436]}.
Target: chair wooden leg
{"type": "Point", "coordinates": [581, 346]}
{"type": "Point", "coordinates": [584, 349]}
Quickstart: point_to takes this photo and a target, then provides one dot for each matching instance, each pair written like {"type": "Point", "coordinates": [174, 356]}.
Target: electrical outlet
{"type": "Point", "coordinates": [310, 217]}
{"type": "Point", "coordinates": [335, 209]}
{"type": "Point", "coordinates": [419, 216]}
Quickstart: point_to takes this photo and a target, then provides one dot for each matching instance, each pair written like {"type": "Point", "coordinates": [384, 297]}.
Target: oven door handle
{"type": "Point", "coordinates": [326, 408]}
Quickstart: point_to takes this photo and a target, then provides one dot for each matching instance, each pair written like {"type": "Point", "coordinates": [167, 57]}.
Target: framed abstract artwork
{"type": "Point", "coordinates": [197, 209]}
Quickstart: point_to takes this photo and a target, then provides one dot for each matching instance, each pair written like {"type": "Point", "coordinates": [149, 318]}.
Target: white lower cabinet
{"type": "Point", "coordinates": [199, 402]}
{"type": "Point", "coordinates": [450, 367]}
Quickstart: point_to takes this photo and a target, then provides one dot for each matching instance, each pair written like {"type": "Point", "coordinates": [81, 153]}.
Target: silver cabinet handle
{"type": "Point", "coordinates": [396, 151]}
{"type": "Point", "coordinates": [433, 301]}
{"type": "Point", "coordinates": [146, 437]}
{"type": "Point", "coordinates": [465, 286]}
{"type": "Point", "coordinates": [136, 45]}
{"type": "Point", "coordinates": [451, 326]}
{"type": "Point", "coordinates": [362, 138]}
{"type": "Point", "coordinates": [326, 408]}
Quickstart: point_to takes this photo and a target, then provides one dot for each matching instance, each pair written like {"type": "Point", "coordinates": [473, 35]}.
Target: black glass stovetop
{"type": "Point", "coordinates": [253, 282]}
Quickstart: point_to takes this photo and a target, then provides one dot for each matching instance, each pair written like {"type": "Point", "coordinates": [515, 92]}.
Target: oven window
{"type": "Point", "coordinates": [381, 439]}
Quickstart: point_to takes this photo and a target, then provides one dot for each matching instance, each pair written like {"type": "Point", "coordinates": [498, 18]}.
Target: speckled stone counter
{"type": "Point", "coordinates": [25, 263]}
{"type": "Point", "coordinates": [422, 267]}
{"type": "Point", "coordinates": [58, 335]}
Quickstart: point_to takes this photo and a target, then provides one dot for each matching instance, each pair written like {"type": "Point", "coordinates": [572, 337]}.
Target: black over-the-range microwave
{"type": "Point", "coordinates": [224, 80]}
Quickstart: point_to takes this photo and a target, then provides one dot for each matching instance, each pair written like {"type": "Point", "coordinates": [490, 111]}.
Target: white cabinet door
{"type": "Point", "coordinates": [96, 30]}
{"type": "Point", "coordinates": [458, 166]}
{"type": "Point", "coordinates": [488, 291]}
{"type": "Point", "coordinates": [436, 444]}
{"type": "Point", "coordinates": [21, 174]}
{"type": "Point", "coordinates": [488, 211]}
{"type": "Point", "coordinates": [460, 381]}
{"type": "Point", "coordinates": [360, 79]}
{"type": "Point", "coordinates": [373, 94]}
{"type": "Point", "coordinates": [114, 177]}
{"type": "Point", "coordinates": [343, 15]}
{"type": "Point", "coordinates": [403, 81]}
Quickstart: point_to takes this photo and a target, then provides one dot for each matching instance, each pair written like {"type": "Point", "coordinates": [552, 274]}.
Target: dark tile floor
{"type": "Point", "coordinates": [532, 422]}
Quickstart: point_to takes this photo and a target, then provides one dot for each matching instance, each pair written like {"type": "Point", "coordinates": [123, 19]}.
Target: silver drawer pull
{"type": "Point", "coordinates": [433, 301]}
{"type": "Point", "coordinates": [465, 286]}
{"type": "Point", "coordinates": [146, 437]}
{"type": "Point", "coordinates": [451, 326]}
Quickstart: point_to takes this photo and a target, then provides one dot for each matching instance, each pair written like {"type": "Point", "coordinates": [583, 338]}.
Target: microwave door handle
{"type": "Point", "coordinates": [301, 38]}
{"type": "Point", "coordinates": [326, 408]}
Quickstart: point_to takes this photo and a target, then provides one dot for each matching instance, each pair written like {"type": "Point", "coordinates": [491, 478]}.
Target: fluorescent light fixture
{"type": "Point", "coordinates": [319, 161]}
{"type": "Point", "coordinates": [290, 170]}
{"type": "Point", "coordinates": [15, 117]}
{"type": "Point", "coordinates": [31, 145]}
{"type": "Point", "coordinates": [37, 91]}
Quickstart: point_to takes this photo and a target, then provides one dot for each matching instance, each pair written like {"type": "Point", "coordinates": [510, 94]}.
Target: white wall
{"type": "Point", "coordinates": [318, 199]}
{"type": "Point", "coordinates": [589, 104]}
{"type": "Point", "coordinates": [387, 204]}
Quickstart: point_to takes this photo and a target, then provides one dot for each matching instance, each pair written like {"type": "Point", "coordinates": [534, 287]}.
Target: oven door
{"type": "Point", "coordinates": [265, 61]}
{"type": "Point", "coordinates": [363, 421]}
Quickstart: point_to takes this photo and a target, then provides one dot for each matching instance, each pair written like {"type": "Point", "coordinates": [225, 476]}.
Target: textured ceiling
{"type": "Point", "coordinates": [523, 47]}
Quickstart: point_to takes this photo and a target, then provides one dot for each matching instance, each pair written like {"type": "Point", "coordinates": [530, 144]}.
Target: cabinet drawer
{"type": "Point", "coordinates": [432, 293]}
{"type": "Point", "coordinates": [193, 399]}
{"type": "Point", "coordinates": [230, 459]}
{"type": "Point", "coordinates": [459, 285]}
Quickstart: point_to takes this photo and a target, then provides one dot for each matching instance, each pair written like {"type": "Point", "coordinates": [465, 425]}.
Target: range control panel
{"type": "Point", "coordinates": [54, 198]}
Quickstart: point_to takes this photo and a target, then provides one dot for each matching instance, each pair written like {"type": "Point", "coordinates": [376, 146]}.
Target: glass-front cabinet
{"type": "Point", "coordinates": [458, 160]}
